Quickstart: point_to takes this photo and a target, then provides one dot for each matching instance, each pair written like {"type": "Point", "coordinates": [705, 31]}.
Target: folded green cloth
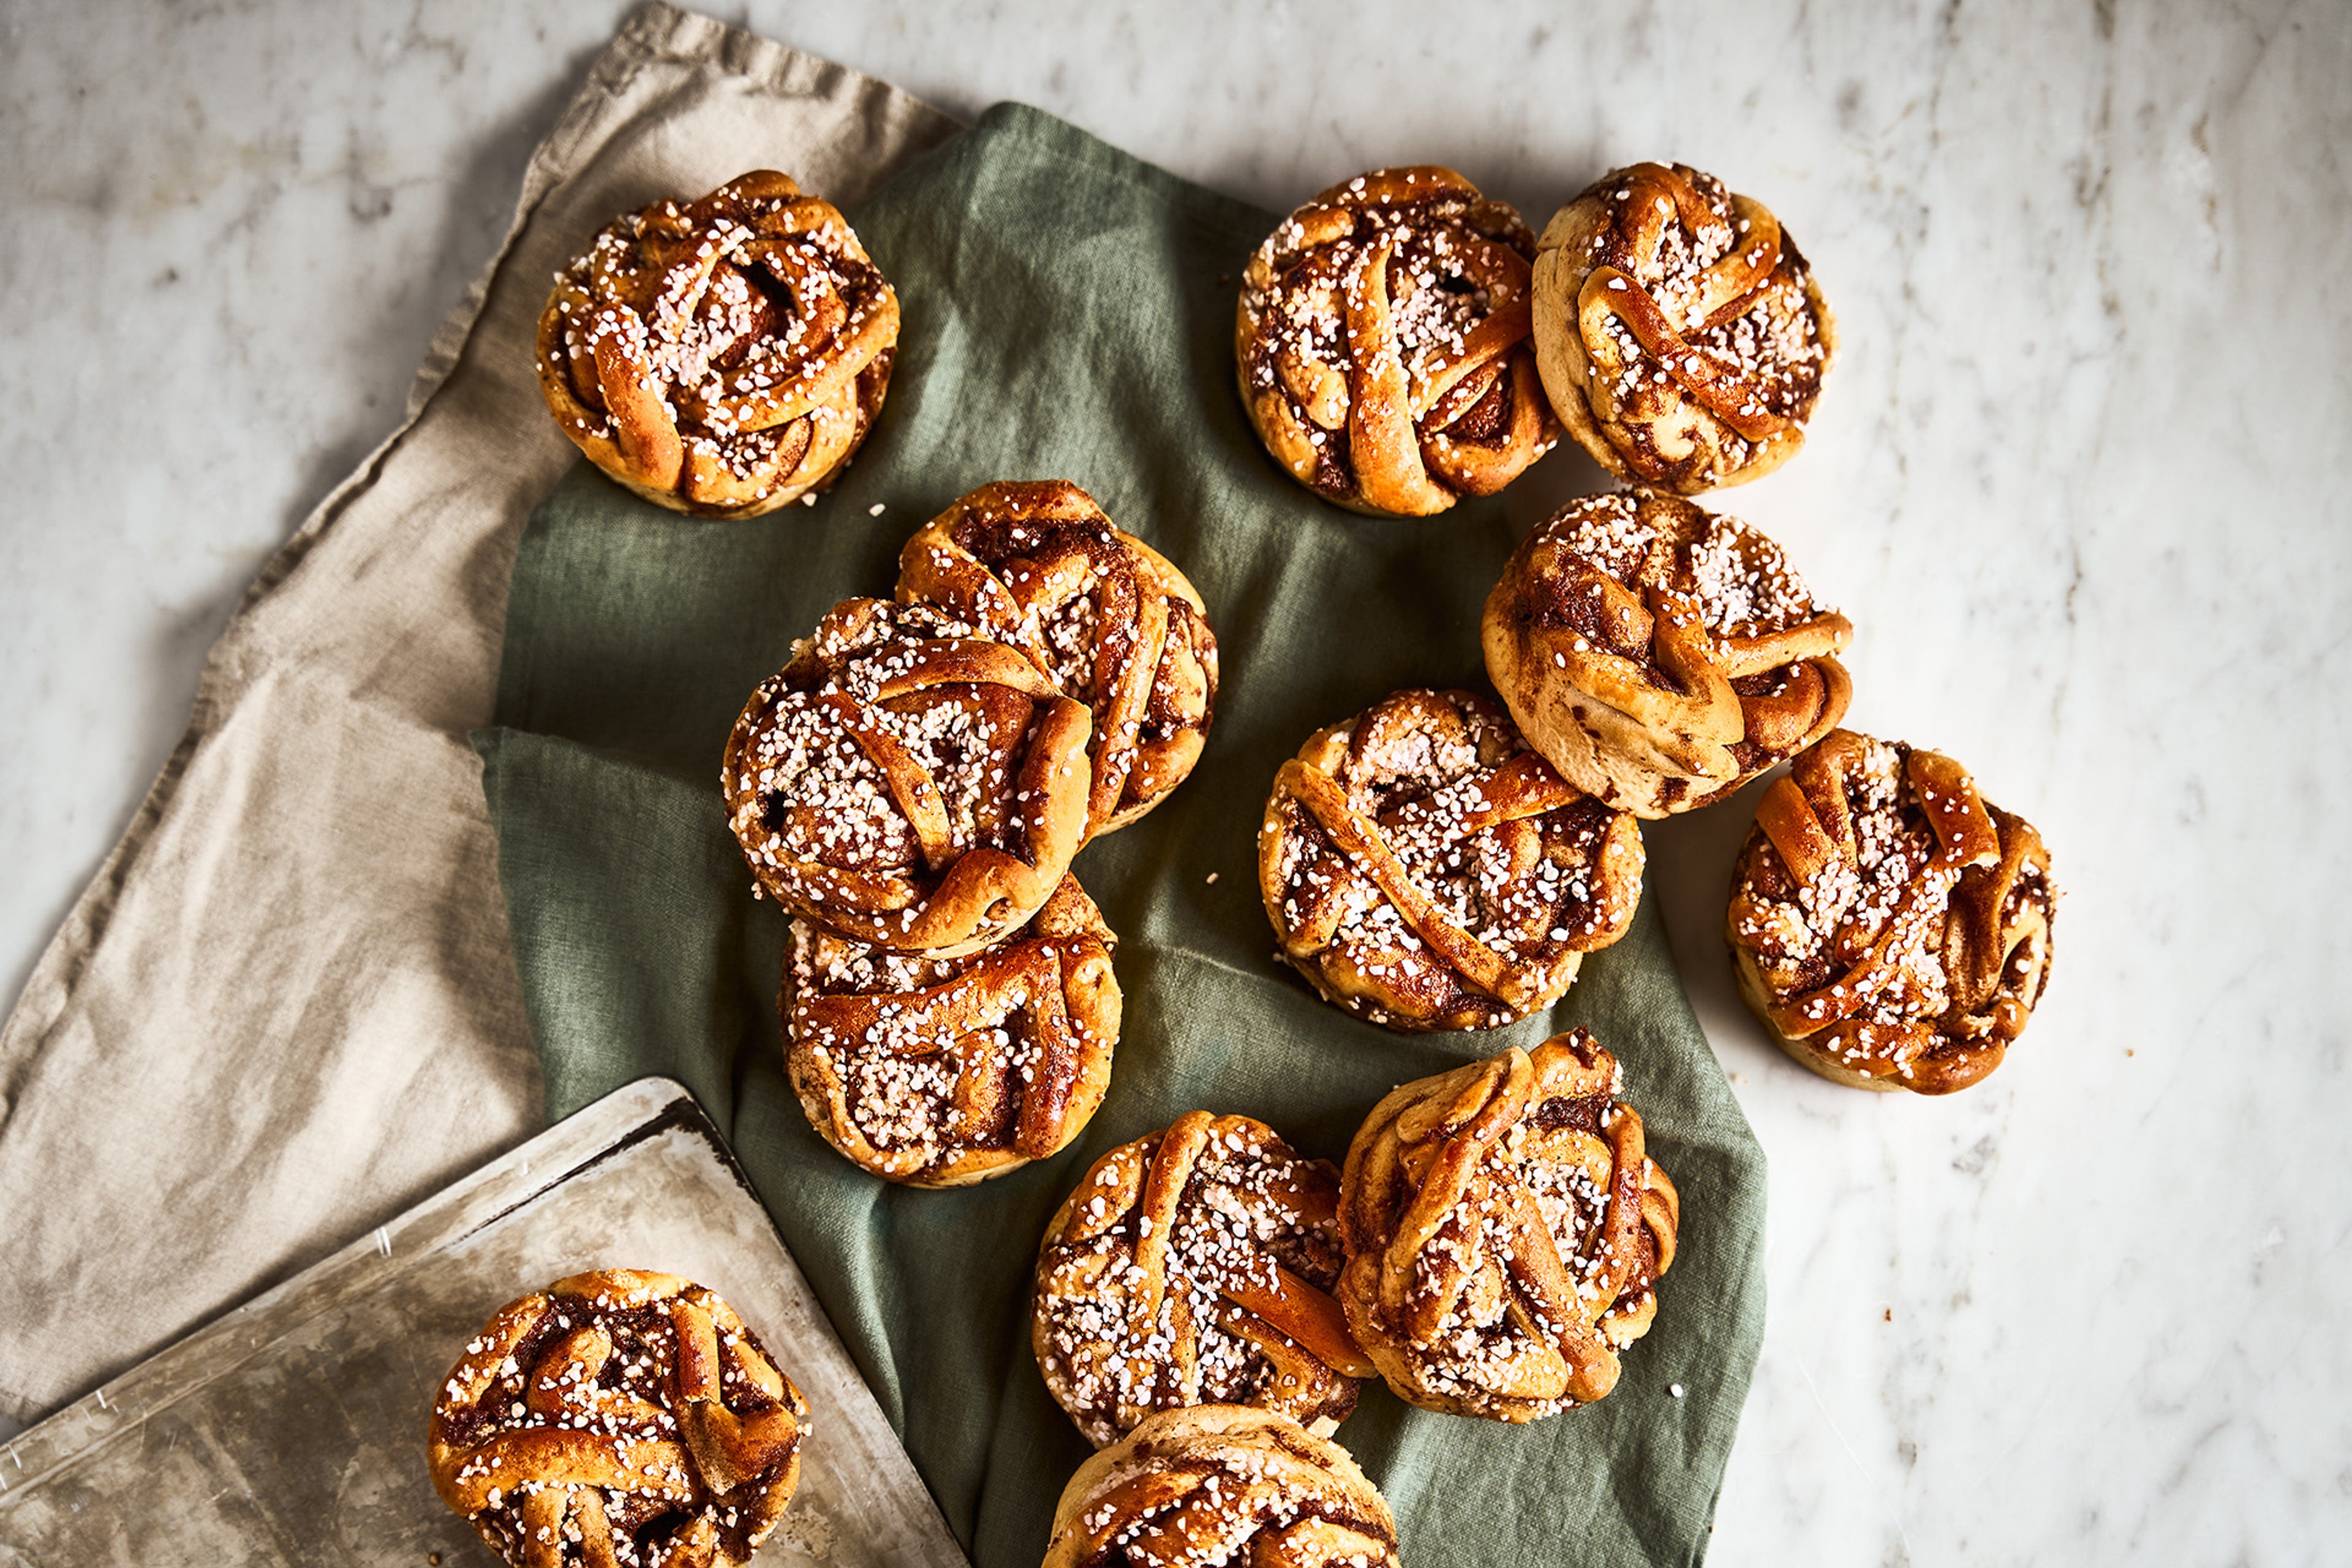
{"type": "Point", "coordinates": [1068, 315]}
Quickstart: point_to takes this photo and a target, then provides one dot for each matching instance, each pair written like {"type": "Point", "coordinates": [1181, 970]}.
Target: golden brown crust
{"type": "Point", "coordinates": [1218, 1485]}
{"type": "Point", "coordinates": [1382, 344]}
{"type": "Point", "coordinates": [1193, 1267]}
{"type": "Point", "coordinates": [943, 1072]}
{"type": "Point", "coordinates": [721, 357]}
{"type": "Point", "coordinates": [1037, 566]}
{"type": "Point", "coordinates": [1660, 655]}
{"type": "Point", "coordinates": [1680, 336]}
{"type": "Point", "coordinates": [907, 782]}
{"type": "Point", "coordinates": [1891, 929]}
{"type": "Point", "coordinates": [1425, 870]}
{"type": "Point", "coordinates": [618, 1416]}
{"type": "Point", "coordinates": [1505, 1231]}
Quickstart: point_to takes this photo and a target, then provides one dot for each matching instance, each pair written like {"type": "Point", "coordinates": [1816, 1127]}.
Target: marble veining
{"type": "Point", "coordinates": [2078, 476]}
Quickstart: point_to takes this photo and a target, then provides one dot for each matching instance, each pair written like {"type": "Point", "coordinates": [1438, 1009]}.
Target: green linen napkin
{"type": "Point", "coordinates": [1068, 315]}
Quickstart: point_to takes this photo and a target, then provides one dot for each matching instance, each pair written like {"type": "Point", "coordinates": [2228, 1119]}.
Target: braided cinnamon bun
{"type": "Point", "coordinates": [1890, 926]}
{"type": "Point", "coordinates": [939, 1072]}
{"type": "Point", "coordinates": [1382, 343]}
{"type": "Point", "coordinates": [1504, 1232]}
{"type": "Point", "coordinates": [1218, 1485]}
{"type": "Point", "coordinates": [722, 357]}
{"type": "Point", "coordinates": [1425, 870]}
{"type": "Point", "coordinates": [906, 782]}
{"type": "Point", "coordinates": [1660, 655]}
{"type": "Point", "coordinates": [618, 1418]}
{"type": "Point", "coordinates": [1193, 1267]}
{"type": "Point", "coordinates": [1038, 566]}
{"type": "Point", "coordinates": [1680, 334]}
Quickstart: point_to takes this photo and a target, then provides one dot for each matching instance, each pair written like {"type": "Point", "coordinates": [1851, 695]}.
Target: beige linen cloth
{"type": "Point", "coordinates": [287, 1007]}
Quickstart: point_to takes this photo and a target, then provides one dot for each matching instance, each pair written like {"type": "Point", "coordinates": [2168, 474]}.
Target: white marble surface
{"type": "Point", "coordinates": [2079, 476]}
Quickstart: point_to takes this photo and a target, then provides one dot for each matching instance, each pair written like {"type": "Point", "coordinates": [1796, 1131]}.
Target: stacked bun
{"type": "Point", "coordinates": [911, 786]}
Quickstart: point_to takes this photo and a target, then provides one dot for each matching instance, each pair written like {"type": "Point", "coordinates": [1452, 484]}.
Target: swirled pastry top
{"type": "Point", "coordinates": [1425, 870]}
{"type": "Point", "coordinates": [1660, 655]}
{"type": "Point", "coordinates": [1038, 566]}
{"type": "Point", "coordinates": [723, 356]}
{"type": "Point", "coordinates": [906, 782]}
{"type": "Point", "coordinates": [618, 1418]}
{"type": "Point", "coordinates": [942, 1071]}
{"type": "Point", "coordinates": [1194, 1266]}
{"type": "Point", "coordinates": [1681, 336]}
{"type": "Point", "coordinates": [1382, 343]}
{"type": "Point", "coordinates": [1890, 926]}
{"type": "Point", "coordinates": [1504, 1230]}
{"type": "Point", "coordinates": [1218, 1486]}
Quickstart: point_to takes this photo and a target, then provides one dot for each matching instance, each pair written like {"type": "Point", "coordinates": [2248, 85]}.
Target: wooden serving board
{"type": "Point", "coordinates": [292, 1430]}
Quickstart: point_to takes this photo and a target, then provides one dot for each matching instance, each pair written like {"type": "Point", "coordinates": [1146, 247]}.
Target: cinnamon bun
{"type": "Point", "coordinates": [1680, 334]}
{"type": "Point", "coordinates": [939, 1072]}
{"type": "Point", "coordinates": [1195, 1267]}
{"type": "Point", "coordinates": [1891, 927]}
{"type": "Point", "coordinates": [618, 1418]}
{"type": "Point", "coordinates": [906, 782]}
{"type": "Point", "coordinates": [1219, 1485]}
{"type": "Point", "coordinates": [1382, 343]}
{"type": "Point", "coordinates": [1505, 1230]}
{"type": "Point", "coordinates": [1425, 869]}
{"type": "Point", "coordinates": [1660, 655]}
{"type": "Point", "coordinates": [724, 356]}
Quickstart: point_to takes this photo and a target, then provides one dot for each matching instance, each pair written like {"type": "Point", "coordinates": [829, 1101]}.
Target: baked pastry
{"type": "Point", "coordinates": [1681, 336]}
{"type": "Point", "coordinates": [1039, 566]}
{"type": "Point", "coordinates": [1891, 927]}
{"type": "Point", "coordinates": [1217, 1485]}
{"type": "Point", "coordinates": [1661, 656]}
{"type": "Point", "coordinates": [1383, 343]}
{"type": "Point", "coordinates": [618, 1418]}
{"type": "Point", "coordinates": [722, 357]}
{"type": "Point", "coordinates": [1193, 1267]}
{"type": "Point", "coordinates": [1425, 870]}
{"type": "Point", "coordinates": [906, 782]}
{"type": "Point", "coordinates": [1504, 1232]}
{"type": "Point", "coordinates": [939, 1072]}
